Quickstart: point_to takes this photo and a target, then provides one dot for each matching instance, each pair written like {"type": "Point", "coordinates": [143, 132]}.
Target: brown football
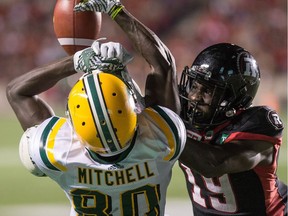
{"type": "Point", "coordinates": [75, 30]}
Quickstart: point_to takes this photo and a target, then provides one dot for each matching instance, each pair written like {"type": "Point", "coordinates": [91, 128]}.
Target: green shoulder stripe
{"type": "Point", "coordinates": [47, 143]}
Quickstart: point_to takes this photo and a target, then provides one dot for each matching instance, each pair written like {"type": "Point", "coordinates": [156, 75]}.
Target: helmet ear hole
{"type": "Point", "coordinates": [246, 101]}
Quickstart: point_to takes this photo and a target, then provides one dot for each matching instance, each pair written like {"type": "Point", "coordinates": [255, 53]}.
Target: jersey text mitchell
{"type": "Point", "coordinates": [115, 177]}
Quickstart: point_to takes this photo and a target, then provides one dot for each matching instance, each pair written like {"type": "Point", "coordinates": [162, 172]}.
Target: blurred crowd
{"type": "Point", "coordinates": [27, 38]}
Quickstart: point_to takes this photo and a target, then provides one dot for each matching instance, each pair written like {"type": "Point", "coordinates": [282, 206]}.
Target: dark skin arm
{"type": "Point", "coordinates": [31, 110]}
{"type": "Point", "coordinates": [217, 160]}
{"type": "Point", "coordinates": [161, 84]}
{"type": "Point", "coordinates": [161, 88]}
{"type": "Point", "coordinates": [22, 92]}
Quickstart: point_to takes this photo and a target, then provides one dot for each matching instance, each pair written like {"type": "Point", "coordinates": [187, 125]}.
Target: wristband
{"type": "Point", "coordinates": [115, 10]}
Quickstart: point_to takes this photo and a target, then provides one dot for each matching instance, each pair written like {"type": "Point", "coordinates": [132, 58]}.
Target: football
{"type": "Point", "coordinates": [75, 30]}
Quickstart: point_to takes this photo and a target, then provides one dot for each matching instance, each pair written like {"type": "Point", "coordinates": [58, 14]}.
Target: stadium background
{"type": "Point", "coordinates": [27, 40]}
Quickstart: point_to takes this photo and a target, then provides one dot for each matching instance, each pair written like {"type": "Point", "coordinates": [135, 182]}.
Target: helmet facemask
{"type": "Point", "coordinates": [217, 105]}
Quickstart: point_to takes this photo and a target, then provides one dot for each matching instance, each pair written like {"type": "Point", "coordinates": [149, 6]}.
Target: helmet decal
{"type": "Point", "coordinates": [99, 112]}
{"type": "Point", "coordinates": [249, 64]}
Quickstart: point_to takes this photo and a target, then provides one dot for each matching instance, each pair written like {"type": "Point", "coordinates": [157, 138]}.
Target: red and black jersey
{"type": "Point", "coordinates": [253, 192]}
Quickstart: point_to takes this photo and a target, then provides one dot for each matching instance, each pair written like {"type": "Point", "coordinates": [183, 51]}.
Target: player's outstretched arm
{"type": "Point", "coordinates": [22, 91]}
{"type": "Point", "coordinates": [161, 85]}
{"type": "Point", "coordinates": [217, 160]}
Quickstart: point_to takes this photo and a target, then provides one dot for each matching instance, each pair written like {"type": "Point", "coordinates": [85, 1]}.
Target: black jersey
{"type": "Point", "coordinates": [254, 192]}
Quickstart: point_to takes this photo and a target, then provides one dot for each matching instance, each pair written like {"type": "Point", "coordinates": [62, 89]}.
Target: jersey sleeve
{"type": "Point", "coordinates": [48, 146]}
{"type": "Point", "coordinates": [172, 127]}
{"type": "Point", "coordinates": [259, 123]}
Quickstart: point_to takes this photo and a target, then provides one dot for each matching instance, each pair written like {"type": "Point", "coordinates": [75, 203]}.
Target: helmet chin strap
{"type": "Point", "coordinates": [191, 114]}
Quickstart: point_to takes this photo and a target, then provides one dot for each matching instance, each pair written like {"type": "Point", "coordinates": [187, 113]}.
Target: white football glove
{"type": "Point", "coordinates": [112, 51]}
{"type": "Point", "coordinates": [107, 57]}
{"type": "Point", "coordinates": [96, 5]}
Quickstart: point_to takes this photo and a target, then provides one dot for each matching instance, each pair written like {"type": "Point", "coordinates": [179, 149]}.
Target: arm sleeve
{"type": "Point", "coordinates": [47, 146]}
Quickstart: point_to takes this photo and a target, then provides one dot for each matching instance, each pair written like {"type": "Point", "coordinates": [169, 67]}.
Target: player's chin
{"type": "Point", "coordinates": [199, 118]}
{"type": "Point", "coordinates": [202, 116]}
{"type": "Point", "coordinates": [202, 110]}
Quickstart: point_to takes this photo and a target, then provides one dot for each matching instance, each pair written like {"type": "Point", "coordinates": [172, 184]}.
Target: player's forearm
{"type": "Point", "coordinates": [203, 158]}
{"type": "Point", "coordinates": [41, 79]}
{"type": "Point", "coordinates": [22, 92]}
{"type": "Point", "coordinates": [161, 84]}
{"type": "Point", "coordinates": [212, 160]}
{"type": "Point", "coordinates": [145, 41]}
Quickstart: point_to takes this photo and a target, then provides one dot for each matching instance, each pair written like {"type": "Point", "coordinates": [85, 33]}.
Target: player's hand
{"type": "Point", "coordinates": [95, 5]}
{"type": "Point", "coordinates": [87, 61]}
{"type": "Point", "coordinates": [106, 57]}
{"type": "Point", "coordinates": [112, 51]}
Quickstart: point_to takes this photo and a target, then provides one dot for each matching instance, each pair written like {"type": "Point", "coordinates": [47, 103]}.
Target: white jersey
{"type": "Point", "coordinates": [134, 184]}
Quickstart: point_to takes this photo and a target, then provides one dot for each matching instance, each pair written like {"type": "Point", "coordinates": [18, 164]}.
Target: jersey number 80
{"type": "Point", "coordinates": [92, 202]}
